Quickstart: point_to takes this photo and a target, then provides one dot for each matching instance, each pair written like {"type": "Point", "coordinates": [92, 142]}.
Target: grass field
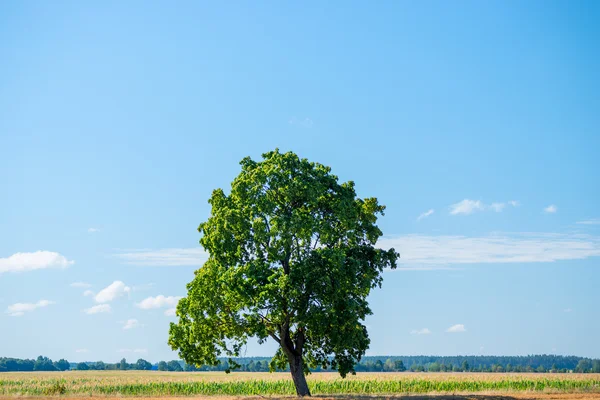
{"type": "Point", "coordinates": [152, 384]}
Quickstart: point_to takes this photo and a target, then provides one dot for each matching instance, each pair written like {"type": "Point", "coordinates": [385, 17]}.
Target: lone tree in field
{"type": "Point", "coordinates": [292, 257]}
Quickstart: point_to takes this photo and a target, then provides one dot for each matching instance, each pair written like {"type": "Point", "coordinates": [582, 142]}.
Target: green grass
{"type": "Point", "coordinates": [154, 384]}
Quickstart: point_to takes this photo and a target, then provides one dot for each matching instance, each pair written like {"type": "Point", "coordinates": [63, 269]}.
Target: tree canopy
{"type": "Point", "coordinates": [292, 257]}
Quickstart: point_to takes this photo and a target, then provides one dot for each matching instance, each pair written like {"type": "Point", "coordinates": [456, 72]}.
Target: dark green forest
{"type": "Point", "coordinates": [533, 363]}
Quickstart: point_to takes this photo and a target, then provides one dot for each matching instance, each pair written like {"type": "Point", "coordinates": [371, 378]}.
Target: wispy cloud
{"type": "Point", "coordinates": [438, 251]}
{"type": "Point", "coordinates": [170, 312]}
{"type": "Point", "coordinates": [93, 230]}
{"type": "Point", "coordinates": [81, 351]}
{"type": "Point", "coordinates": [593, 221]}
{"type": "Point", "coordinates": [458, 328]}
{"type": "Point", "coordinates": [100, 308]}
{"type": "Point", "coordinates": [88, 293]}
{"type": "Point", "coordinates": [19, 309]}
{"type": "Point", "coordinates": [468, 206]}
{"type": "Point", "coordinates": [551, 209]}
{"type": "Point", "coordinates": [426, 214]}
{"type": "Point", "coordinates": [567, 310]}
{"type": "Point", "coordinates": [302, 122]}
{"type": "Point", "coordinates": [158, 302]}
{"type": "Point", "coordinates": [21, 262]}
{"type": "Point", "coordinates": [131, 323]}
{"type": "Point", "coordinates": [423, 331]}
{"type": "Point", "coordinates": [165, 257]}
{"type": "Point", "coordinates": [82, 285]}
{"type": "Point", "coordinates": [112, 291]}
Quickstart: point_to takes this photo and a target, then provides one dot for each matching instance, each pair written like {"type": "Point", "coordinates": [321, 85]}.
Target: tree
{"type": "Point", "coordinates": [583, 366]}
{"type": "Point", "coordinates": [596, 366]}
{"type": "Point", "coordinates": [399, 366]}
{"type": "Point", "coordinates": [123, 364]}
{"type": "Point", "coordinates": [143, 365]}
{"type": "Point", "coordinates": [62, 365]}
{"type": "Point", "coordinates": [465, 366]}
{"type": "Point", "coordinates": [292, 257]}
{"type": "Point", "coordinates": [43, 364]}
{"type": "Point", "coordinates": [174, 366]}
{"type": "Point", "coordinates": [82, 366]}
{"type": "Point", "coordinates": [99, 365]}
{"type": "Point", "coordinates": [162, 366]}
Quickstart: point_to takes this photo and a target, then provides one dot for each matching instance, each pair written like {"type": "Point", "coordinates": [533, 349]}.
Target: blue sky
{"type": "Point", "coordinates": [476, 123]}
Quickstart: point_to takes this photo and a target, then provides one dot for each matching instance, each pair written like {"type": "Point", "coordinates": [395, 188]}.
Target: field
{"type": "Point", "coordinates": [164, 384]}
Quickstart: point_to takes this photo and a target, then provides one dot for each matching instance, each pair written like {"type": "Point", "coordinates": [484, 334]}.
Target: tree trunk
{"type": "Point", "coordinates": [297, 370]}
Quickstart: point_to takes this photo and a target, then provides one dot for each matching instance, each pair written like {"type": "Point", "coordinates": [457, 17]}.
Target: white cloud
{"type": "Point", "coordinates": [132, 351]}
{"type": "Point", "coordinates": [21, 262]}
{"type": "Point", "coordinates": [165, 257]}
{"type": "Point", "coordinates": [567, 310]}
{"type": "Point", "coordinates": [81, 351]}
{"type": "Point", "coordinates": [593, 221]}
{"type": "Point", "coordinates": [112, 291]}
{"type": "Point", "coordinates": [423, 331]}
{"type": "Point", "coordinates": [100, 308]}
{"type": "Point", "coordinates": [93, 230]}
{"type": "Point", "coordinates": [158, 302]}
{"type": "Point", "coordinates": [426, 214]}
{"type": "Point", "coordinates": [439, 251]}
{"type": "Point", "coordinates": [82, 285]}
{"type": "Point", "coordinates": [498, 207]}
{"type": "Point", "coordinates": [458, 328]}
{"type": "Point", "coordinates": [88, 293]}
{"type": "Point", "coordinates": [466, 207]}
{"type": "Point", "coordinates": [19, 309]}
{"type": "Point", "coordinates": [169, 312]}
{"type": "Point", "coordinates": [551, 209]}
{"type": "Point", "coordinates": [131, 323]}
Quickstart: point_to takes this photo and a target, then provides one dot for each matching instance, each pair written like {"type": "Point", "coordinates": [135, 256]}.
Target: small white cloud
{"type": "Point", "coordinates": [169, 312]}
{"type": "Point", "coordinates": [82, 285]}
{"type": "Point", "coordinates": [112, 291]}
{"type": "Point", "coordinates": [551, 209]}
{"type": "Point", "coordinates": [21, 262]}
{"type": "Point", "coordinates": [93, 230]}
{"type": "Point", "coordinates": [456, 328]}
{"type": "Point", "coordinates": [481, 348]}
{"type": "Point", "coordinates": [498, 207]}
{"type": "Point", "coordinates": [158, 302]}
{"type": "Point", "coordinates": [132, 351]}
{"type": "Point", "coordinates": [88, 293]}
{"type": "Point", "coordinates": [567, 310]}
{"type": "Point", "coordinates": [19, 309]}
{"type": "Point", "coordinates": [514, 203]}
{"type": "Point", "coordinates": [426, 214]}
{"type": "Point", "coordinates": [466, 207]}
{"type": "Point", "coordinates": [81, 351]}
{"type": "Point", "coordinates": [593, 221]}
{"type": "Point", "coordinates": [165, 257]}
{"type": "Point", "coordinates": [100, 308]}
{"type": "Point", "coordinates": [423, 331]}
{"type": "Point", "coordinates": [131, 323]}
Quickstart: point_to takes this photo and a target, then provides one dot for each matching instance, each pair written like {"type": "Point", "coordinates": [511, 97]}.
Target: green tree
{"type": "Point", "coordinates": [465, 366]}
{"type": "Point", "coordinates": [292, 257]}
{"type": "Point", "coordinates": [123, 365]}
{"type": "Point", "coordinates": [399, 366]}
{"type": "Point", "coordinates": [583, 366]}
{"type": "Point", "coordinates": [43, 364]}
{"type": "Point", "coordinates": [62, 365]}
{"type": "Point", "coordinates": [143, 365]}
{"type": "Point", "coordinates": [162, 366]}
{"type": "Point", "coordinates": [174, 366]}
{"type": "Point", "coordinates": [82, 366]}
{"type": "Point", "coordinates": [100, 365]}
{"type": "Point", "coordinates": [596, 366]}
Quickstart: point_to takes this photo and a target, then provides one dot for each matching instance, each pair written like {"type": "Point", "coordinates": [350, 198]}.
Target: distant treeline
{"type": "Point", "coordinates": [534, 363]}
